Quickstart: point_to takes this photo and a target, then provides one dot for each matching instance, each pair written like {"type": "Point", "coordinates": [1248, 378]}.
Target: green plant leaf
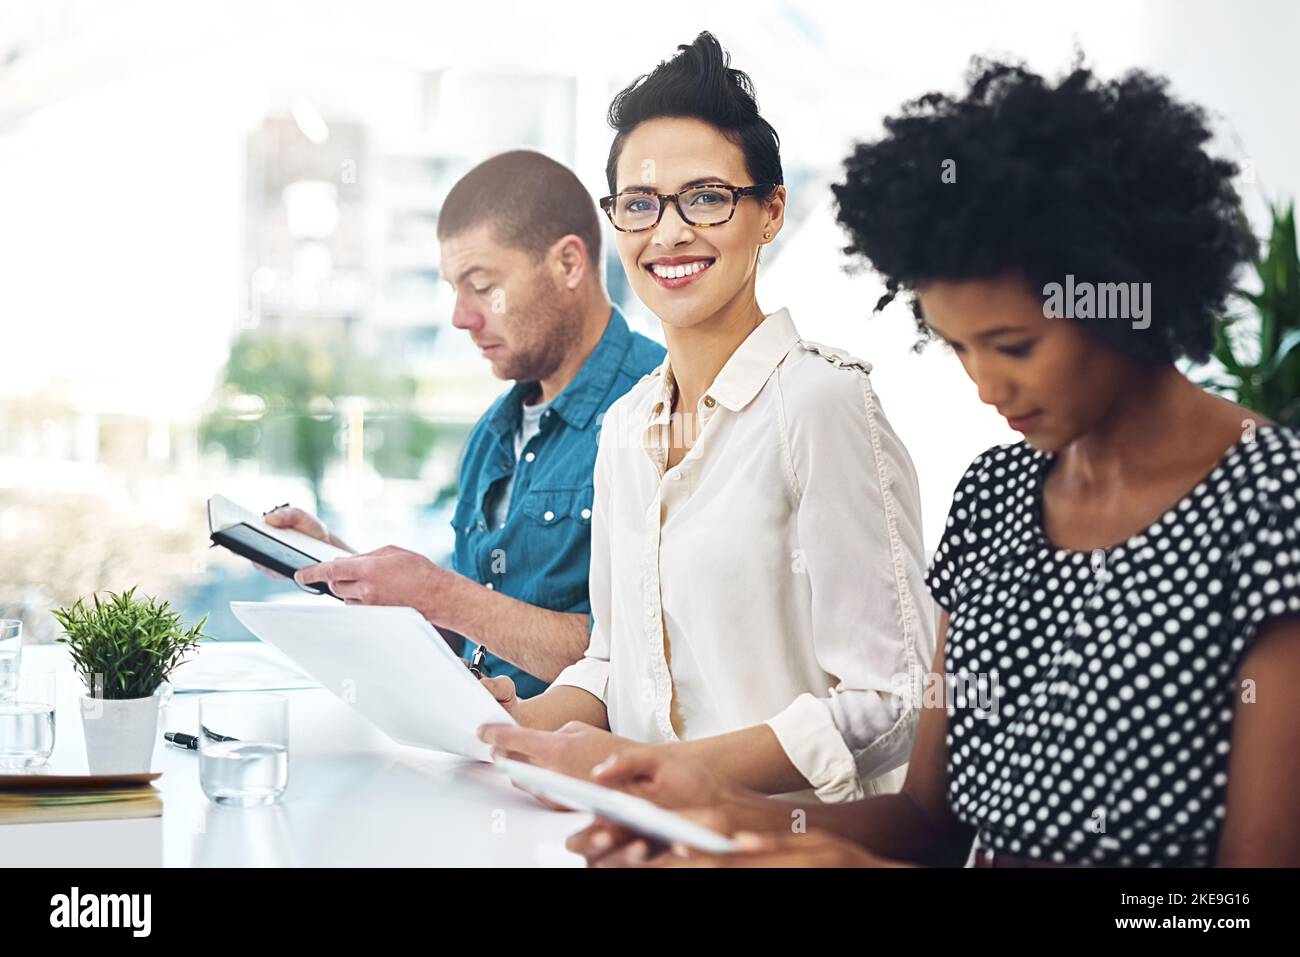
{"type": "Point", "coordinates": [1270, 386]}
{"type": "Point", "coordinates": [133, 643]}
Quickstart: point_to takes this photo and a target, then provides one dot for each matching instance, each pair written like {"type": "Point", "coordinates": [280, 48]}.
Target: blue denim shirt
{"type": "Point", "coordinates": [542, 551]}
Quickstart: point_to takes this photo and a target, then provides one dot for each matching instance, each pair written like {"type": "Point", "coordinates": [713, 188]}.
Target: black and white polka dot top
{"type": "Point", "coordinates": [1091, 694]}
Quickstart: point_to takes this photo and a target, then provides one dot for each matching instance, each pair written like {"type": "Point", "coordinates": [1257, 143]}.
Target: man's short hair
{"type": "Point", "coordinates": [528, 200]}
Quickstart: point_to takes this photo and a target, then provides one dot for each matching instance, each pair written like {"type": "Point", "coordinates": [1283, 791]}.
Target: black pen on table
{"type": "Point", "coordinates": [190, 742]}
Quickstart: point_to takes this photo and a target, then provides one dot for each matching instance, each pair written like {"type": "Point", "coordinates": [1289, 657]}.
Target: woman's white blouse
{"type": "Point", "coordinates": [775, 575]}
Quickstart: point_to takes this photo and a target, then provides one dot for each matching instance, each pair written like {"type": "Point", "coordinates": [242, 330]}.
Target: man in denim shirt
{"type": "Point", "coordinates": [520, 242]}
{"type": "Point", "coordinates": [537, 547]}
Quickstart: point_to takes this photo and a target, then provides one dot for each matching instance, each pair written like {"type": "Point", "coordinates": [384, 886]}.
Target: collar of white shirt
{"type": "Point", "coordinates": [744, 374]}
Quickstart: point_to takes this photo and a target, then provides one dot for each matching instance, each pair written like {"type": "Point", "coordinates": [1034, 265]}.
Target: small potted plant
{"type": "Point", "coordinates": [124, 649]}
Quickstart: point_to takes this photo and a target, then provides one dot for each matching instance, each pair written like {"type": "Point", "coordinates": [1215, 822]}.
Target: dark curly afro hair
{"type": "Point", "coordinates": [1105, 180]}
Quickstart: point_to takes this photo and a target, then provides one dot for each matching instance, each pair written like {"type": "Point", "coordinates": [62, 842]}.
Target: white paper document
{"type": "Point", "coordinates": [238, 666]}
{"type": "Point", "coordinates": [387, 662]}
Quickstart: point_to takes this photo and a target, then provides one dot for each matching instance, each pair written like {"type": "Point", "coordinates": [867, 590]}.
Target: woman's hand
{"type": "Point", "coordinates": [606, 844]}
{"type": "Point", "coordinates": [814, 849]}
{"type": "Point", "coordinates": [503, 689]}
{"type": "Point", "coordinates": [573, 750]}
{"type": "Point", "coordinates": [685, 785]}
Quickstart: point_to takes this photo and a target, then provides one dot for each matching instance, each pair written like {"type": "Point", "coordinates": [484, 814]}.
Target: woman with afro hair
{"type": "Point", "coordinates": [1120, 591]}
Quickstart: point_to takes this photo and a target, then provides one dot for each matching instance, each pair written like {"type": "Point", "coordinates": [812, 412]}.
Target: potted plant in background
{"type": "Point", "coordinates": [124, 649]}
{"type": "Point", "coordinates": [1259, 353]}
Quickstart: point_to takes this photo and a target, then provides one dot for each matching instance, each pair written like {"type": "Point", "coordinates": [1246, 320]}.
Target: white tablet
{"type": "Point", "coordinates": [387, 662]}
{"type": "Point", "coordinates": [632, 812]}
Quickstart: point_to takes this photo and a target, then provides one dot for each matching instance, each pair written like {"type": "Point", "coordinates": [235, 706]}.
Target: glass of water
{"type": "Point", "coordinates": [244, 748]}
{"type": "Point", "coordinates": [11, 654]}
{"type": "Point", "coordinates": [27, 719]}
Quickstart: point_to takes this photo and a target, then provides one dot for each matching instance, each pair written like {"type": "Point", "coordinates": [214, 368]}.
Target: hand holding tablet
{"type": "Point", "coordinates": [632, 812]}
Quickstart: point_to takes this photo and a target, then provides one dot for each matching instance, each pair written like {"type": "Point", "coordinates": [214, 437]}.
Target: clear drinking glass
{"type": "Point", "coordinates": [11, 654]}
{"type": "Point", "coordinates": [244, 748]}
{"type": "Point", "coordinates": [27, 719]}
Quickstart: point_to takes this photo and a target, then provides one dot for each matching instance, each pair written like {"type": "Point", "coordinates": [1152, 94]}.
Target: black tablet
{"type": "Point", "coordinates": [248, 542]}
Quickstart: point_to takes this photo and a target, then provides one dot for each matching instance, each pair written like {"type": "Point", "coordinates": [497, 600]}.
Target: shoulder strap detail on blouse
{"type": "Point", "coordinates": [836, 357]}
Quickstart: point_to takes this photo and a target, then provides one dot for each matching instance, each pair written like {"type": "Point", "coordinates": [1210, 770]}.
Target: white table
{"type": "Point", "coordinates": [355, 798]}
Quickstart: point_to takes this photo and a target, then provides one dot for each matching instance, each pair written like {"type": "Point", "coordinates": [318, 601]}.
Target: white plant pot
{"type": "Point", "coordinates": [120, 734]}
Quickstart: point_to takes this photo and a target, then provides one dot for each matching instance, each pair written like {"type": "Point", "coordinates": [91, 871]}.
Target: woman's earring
{"type": "Point", "coordinates": [767, 235]}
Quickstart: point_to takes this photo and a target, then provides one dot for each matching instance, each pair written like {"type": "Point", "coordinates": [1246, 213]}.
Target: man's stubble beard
{"type": "Point", "coordinates": [548, 334]}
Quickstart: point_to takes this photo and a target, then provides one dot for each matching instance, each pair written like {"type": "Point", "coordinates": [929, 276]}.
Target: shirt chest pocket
{"type": "Point", "coordinates": [549, 543]}
{"type": "Point", "coordinates": [568, 509]}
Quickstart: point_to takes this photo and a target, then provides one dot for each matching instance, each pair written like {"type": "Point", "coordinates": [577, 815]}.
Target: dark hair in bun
{"type": "Point", "coordinates": [699, 83]}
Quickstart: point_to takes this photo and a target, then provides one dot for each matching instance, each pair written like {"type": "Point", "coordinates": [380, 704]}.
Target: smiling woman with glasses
{"type": "Point", "coordinates": [757, 568]}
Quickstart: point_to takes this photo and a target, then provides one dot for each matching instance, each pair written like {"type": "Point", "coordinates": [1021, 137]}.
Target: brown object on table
{"type": "Point", "coordinates": [40, 780]}
{"type": "Point", "coordinates": [31, 797]}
